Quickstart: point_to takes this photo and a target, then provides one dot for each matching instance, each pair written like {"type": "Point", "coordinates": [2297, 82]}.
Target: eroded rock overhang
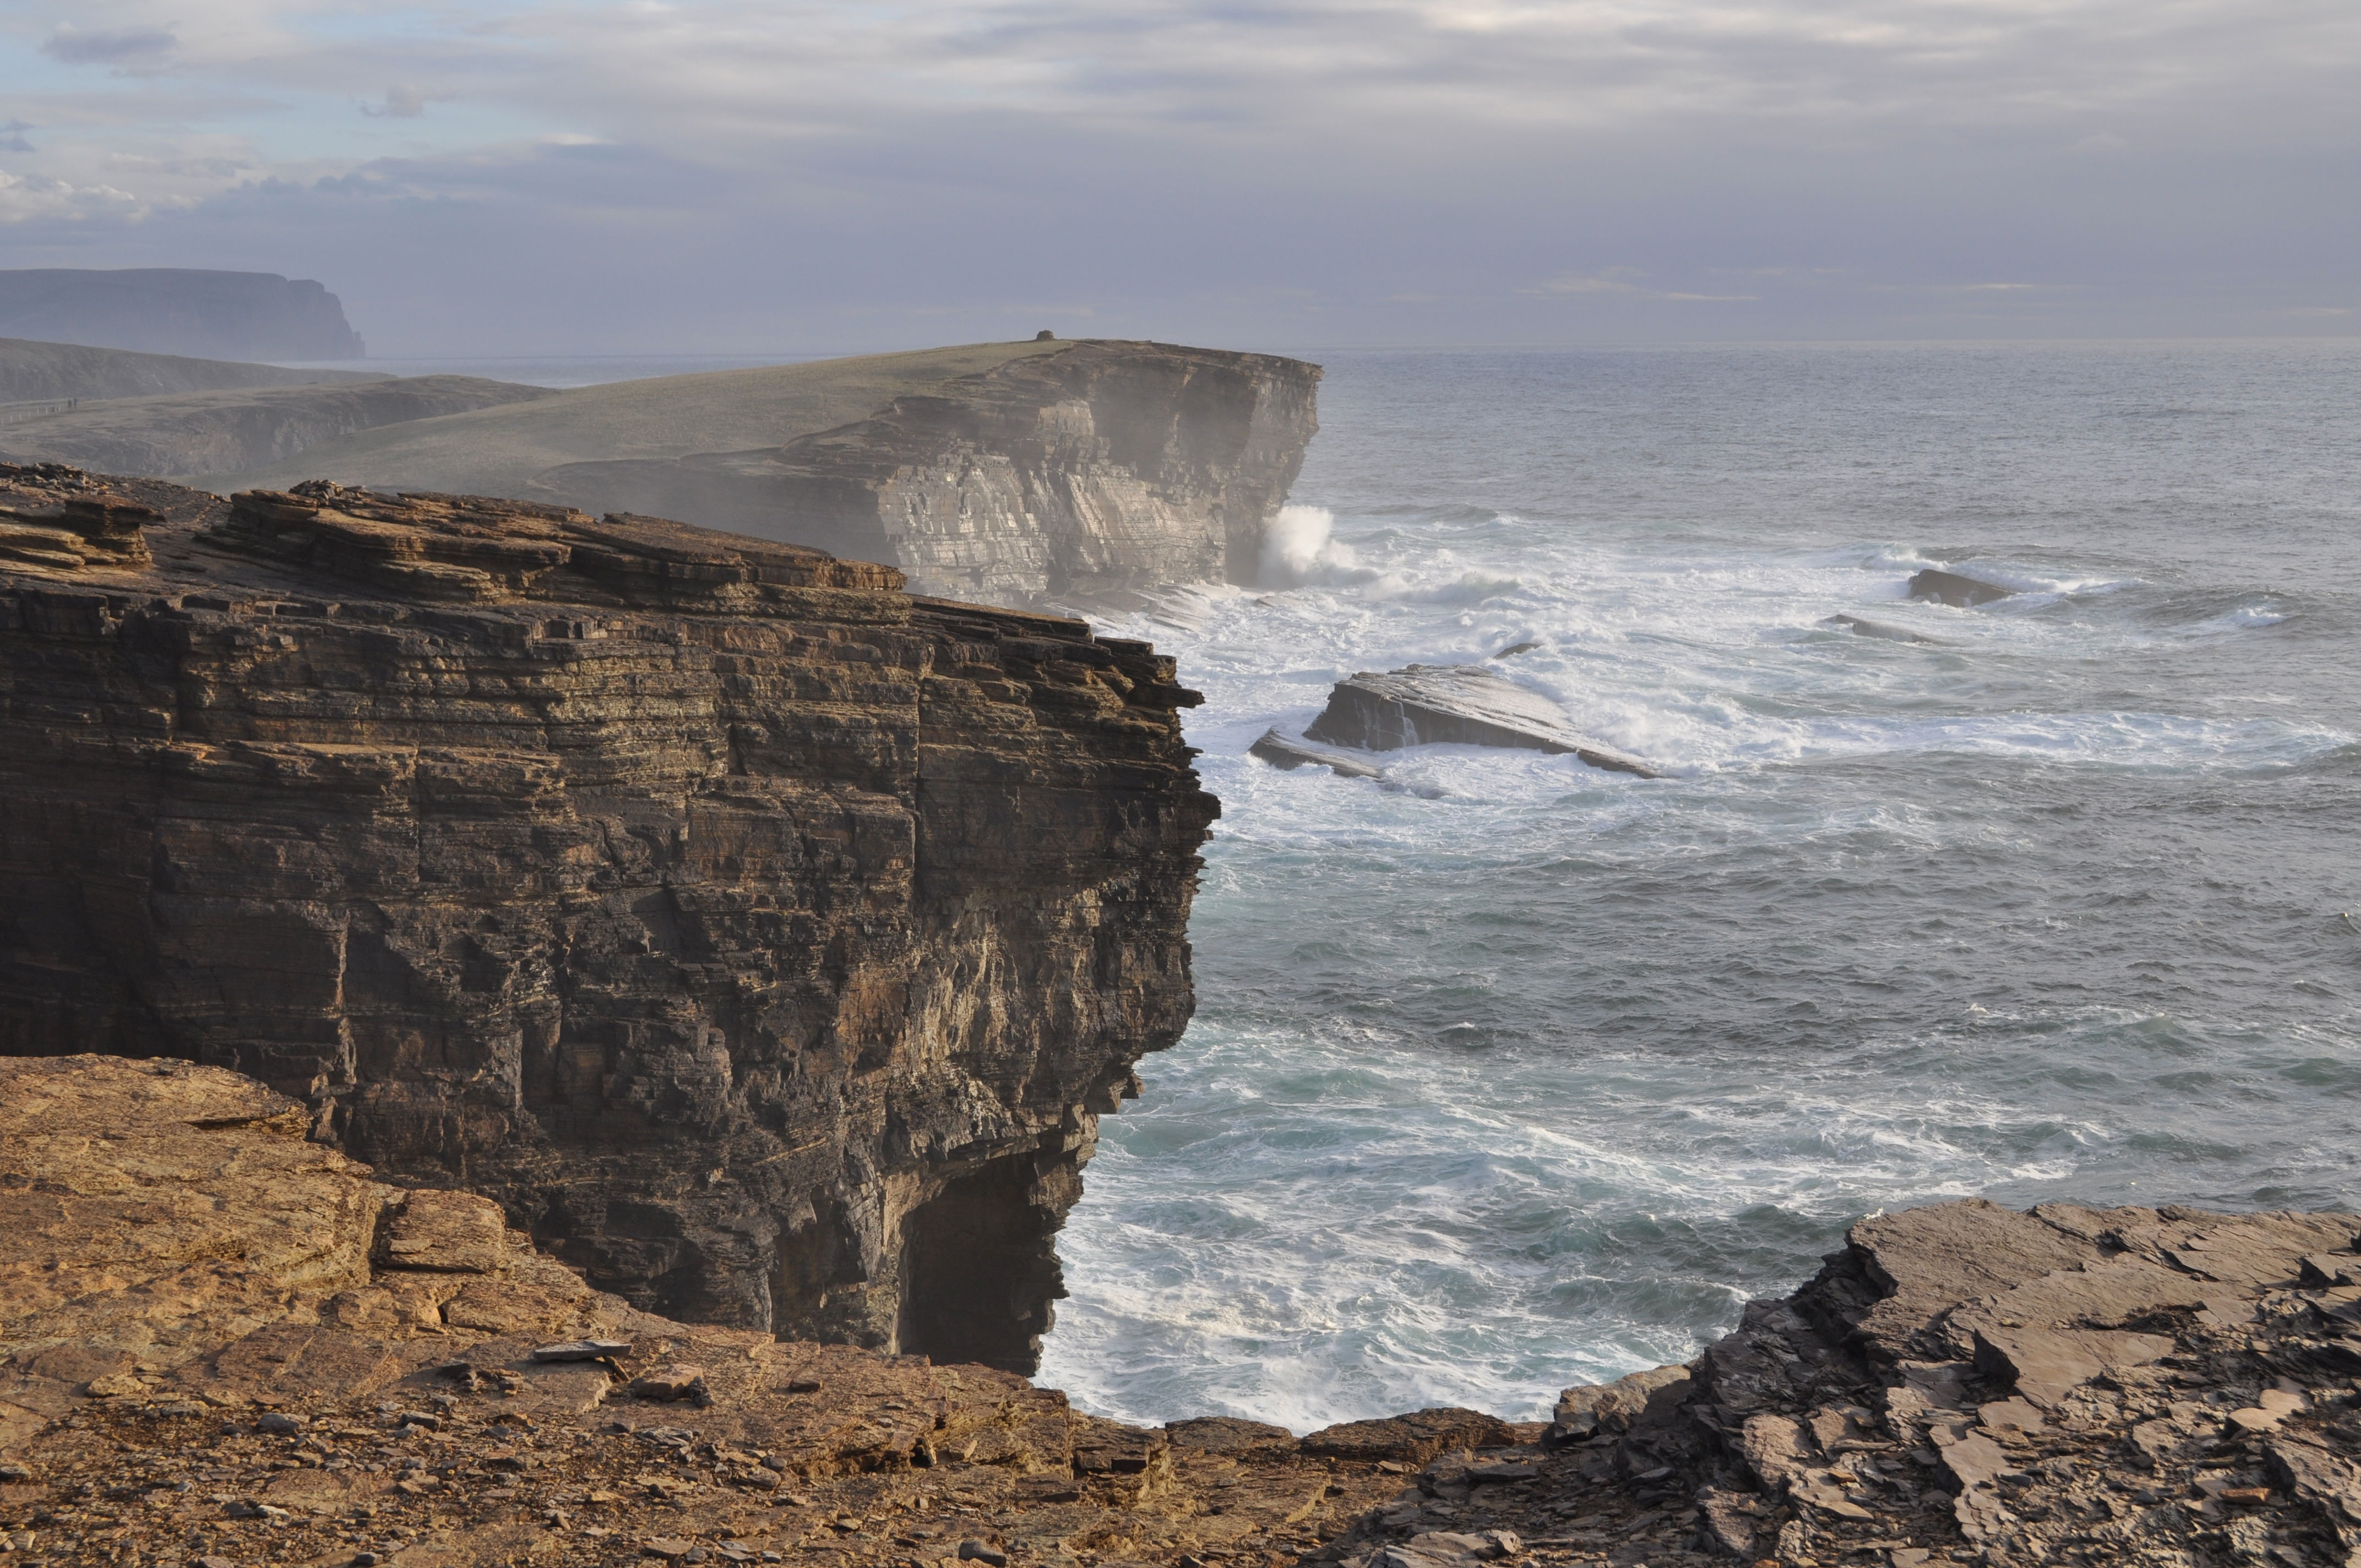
{"type": "Point", "coordinates": [765, 940]}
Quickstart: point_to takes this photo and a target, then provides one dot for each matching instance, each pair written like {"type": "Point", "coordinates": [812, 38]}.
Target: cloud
{"type": "Point", "coordinates": [132, 51]}
{"type": "Point", "coordinates": [12, 138]}
{"type": "Point", "coordinates": [1616, 281]}
{"type": "Point", "coordinates": [1321, 170]}
{"type": "Point", "coordinates": [25, 199]}
{"type": "Point", "coordinates": [404, 103]}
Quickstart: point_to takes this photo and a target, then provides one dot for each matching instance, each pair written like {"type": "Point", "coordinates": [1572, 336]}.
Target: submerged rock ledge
{"type": "Point", "coordinates": [221, 1342]}
{"type": "Point", "coordinates": [764, 939]}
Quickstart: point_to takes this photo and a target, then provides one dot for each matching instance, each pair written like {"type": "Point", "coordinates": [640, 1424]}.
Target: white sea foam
{"type": "Point", "coordinates": [1511, 1073]}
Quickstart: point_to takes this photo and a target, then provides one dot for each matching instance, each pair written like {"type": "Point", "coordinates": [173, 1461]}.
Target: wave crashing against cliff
{"type": "Point", "coordinates": [765, 938]}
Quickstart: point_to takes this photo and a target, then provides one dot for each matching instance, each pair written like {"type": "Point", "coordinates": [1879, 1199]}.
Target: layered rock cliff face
{"type": "Point", "coordinates": [764, 939]}
{"type": "Point", "coordinates": [1102, 465]}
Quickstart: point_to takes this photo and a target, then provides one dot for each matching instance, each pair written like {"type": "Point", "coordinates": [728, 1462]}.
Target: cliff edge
{"type": "Point", "coordinates": [1011, 473]}
{"type": "Point", "coordinates": [223, 1342]}
{"type": "Point", "coordinates": [765, 940]}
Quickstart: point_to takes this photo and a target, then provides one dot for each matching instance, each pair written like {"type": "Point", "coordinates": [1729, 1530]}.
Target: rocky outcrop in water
{"type": "Point", "coordinates": [1951, 588]}
{"type": "Point", "coordinates": [765, 940]}
{"type": "Point", "coordinates": [1426, 704]}
{"type": "Point", "coordinates": [178, 311]}
{"type": "Point", "coordinates": [1098, 466]}
{"type": "Point", "coordinates": [1883, 630]}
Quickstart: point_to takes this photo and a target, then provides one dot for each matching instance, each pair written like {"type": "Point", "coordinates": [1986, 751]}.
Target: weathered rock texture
{"type": "Point", "coordinates": [1425, 705]}
{"type": "Point", "coordinates": [219, 1340]}
{"type": "Point", "coordinates": [178, 310]}
{"type": "Point", "coordinates": [195, 434]}
{"type": "Point", "coordinates": [1968, 1384]}
{"type": "Point", "coordinates": [222, 1342]}
{"type": "Point", "coordinates": [1099, 465]}
{"type": "Point", "coordinates": [765, 940]}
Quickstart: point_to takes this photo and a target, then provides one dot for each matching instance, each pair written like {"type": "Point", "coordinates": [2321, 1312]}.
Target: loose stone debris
{"type": "Point", "coordinates": [206, 1358]}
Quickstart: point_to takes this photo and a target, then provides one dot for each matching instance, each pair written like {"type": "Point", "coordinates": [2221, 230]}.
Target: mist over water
{"type": "Point", "coordinates": [1508, 1073]}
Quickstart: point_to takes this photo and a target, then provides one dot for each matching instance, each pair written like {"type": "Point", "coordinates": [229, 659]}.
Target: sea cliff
{"type": "Point", "coordinates": [1103, 465]}
{"type": "Point", "coordinates": [1015, 472]}
{"type": "Point", "coordinates": [764, 939]}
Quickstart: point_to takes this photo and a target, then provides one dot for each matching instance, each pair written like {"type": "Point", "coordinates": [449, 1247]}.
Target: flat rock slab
{"type": "Point", "coordinates": [1281, 752]}
{"type": "Point", "coordinates": [447, 1232]}
{"type": "Point", "coordinates": [1466, 705]}
{"type": "Point", "coordinates": [1414, 1437]}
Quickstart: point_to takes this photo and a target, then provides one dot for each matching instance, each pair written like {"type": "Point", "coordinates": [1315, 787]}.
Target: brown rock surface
{"type": "Point", "coordinates": [764, 939]}
{"type": "Point", "coordinates": [205, 1365]}
{"type": "Point", "coordinates": [215, 1370]}
{"type": "Point", "coordinates": [1961, 1384]}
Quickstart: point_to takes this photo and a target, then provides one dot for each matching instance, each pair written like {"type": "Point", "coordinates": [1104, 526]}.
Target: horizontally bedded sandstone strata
{"type": "Point", "coordinates": [765, 941]}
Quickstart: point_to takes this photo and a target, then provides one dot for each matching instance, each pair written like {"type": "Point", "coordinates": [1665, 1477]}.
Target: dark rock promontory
{"type": "Point", "coordinates": [764, 939]}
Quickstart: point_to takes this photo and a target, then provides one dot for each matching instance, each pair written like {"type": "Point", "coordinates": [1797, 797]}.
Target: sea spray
{"type": "Point", "coordinates": [1517, 1074]}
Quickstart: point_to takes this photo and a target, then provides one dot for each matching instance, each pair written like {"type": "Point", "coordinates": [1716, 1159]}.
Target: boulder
{"type": "Point", "coordinates": [1950, 588]}
{"type": "Point", "coordinates": [1423, 705]}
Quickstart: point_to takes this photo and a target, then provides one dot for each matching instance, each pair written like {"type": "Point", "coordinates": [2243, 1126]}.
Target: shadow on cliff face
{"type": "Point", "coordinates": [979, 1269]}
{"type": "Point", "coordinates": [765, 941]}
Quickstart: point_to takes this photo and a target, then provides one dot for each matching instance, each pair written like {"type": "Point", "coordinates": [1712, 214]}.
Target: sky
{"type": "Point", "coordinates": [719, 176]}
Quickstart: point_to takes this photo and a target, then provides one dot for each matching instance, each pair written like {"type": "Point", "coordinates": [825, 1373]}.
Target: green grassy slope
{"type": "Point", "coordinates": [497, 451]}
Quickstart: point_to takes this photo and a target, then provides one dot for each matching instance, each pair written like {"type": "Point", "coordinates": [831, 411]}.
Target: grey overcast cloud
{"type": "Point", "coordinates": [719, 178]}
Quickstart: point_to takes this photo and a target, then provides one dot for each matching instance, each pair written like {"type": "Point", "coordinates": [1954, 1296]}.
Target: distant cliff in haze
{"type": "Point", "coordinates": [173, 310]}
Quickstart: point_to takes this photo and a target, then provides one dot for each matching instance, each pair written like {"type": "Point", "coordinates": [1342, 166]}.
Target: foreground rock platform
{"type": "Point", "coordinates": [1469, 705]}
{"type": "Point", "coordinates": [1966, 1383]}
{"type": "Point", "coordinates": [223, 1344]}
{"type": "Point", "coordinates": [220, 1342]}
{"type": "Point", "coordinates": [764, 939]}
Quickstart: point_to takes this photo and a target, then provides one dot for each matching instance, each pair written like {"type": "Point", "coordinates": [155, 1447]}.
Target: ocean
{"type": "Point", "coordinates": [1509, 1074]}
